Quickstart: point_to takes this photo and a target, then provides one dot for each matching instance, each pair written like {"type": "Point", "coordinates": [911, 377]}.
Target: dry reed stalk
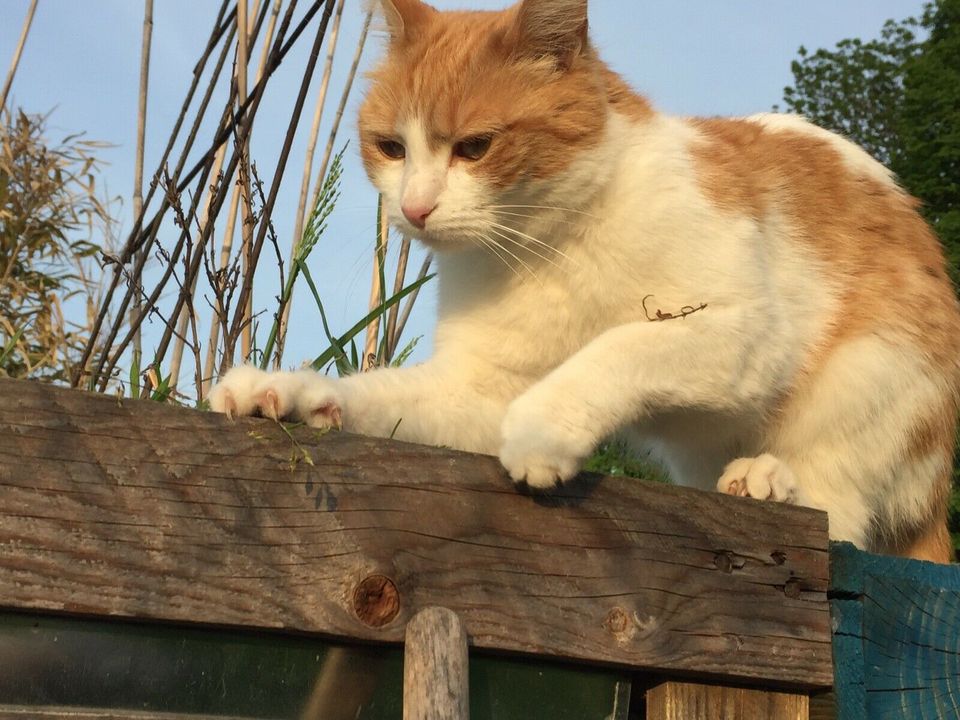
{"type": "Point", "coordinates": [246, 205]}
{"type": "Point", "coordinates": [302, 210]}
{"type": "Point", "coordinates": [141, 134]}
{"type": "Point", "coordinates": [18, 51]}
{"type": "Point", "coordinates": [246, 287]}
{"type": "Point", "coordinates": [376, 291]}
{"type": "Point", "coordinates": [186, 314]}
{"type": "Point", "coordinates": [332, 139]}
{"type": "Point", "coordinates": [408, 306]}
{"type": "Point", "coordinates": [391, 336]}
{"type": "Point", "coordinates": [142, 235]}
{"type": "Point", "coordinates": [240, 124]}
{"type": "Point", "coordinates": [107, 362]}
{"type": "Point", "coordinates": [226, 247]}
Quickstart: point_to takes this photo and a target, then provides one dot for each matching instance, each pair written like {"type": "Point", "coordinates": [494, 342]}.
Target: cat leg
{"type": "Point", "coordinates": [708, 361]}
{"type": "Point", "coordinates": [433, 403]}
{"type": "Point", "coordinates": [763, 478]}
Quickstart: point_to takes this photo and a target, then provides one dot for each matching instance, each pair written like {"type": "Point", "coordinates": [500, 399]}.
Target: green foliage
{"type": "Point", "coordinates": [615, 458]}
{"type": "Point", "coordinates": [899, 97]}
{"type": "Point", "coordinates": [929, 125]}
{"type": "Point", "coordinates": [316, 225]}
{"type": "Point", "coordinates": [857, 88]}
{"type": "Point", "coordinates": [48, 200]}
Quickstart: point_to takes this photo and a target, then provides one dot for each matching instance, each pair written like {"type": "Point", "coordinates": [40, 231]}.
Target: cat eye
{"type": "Point", "coordinates": [472, 148]}
{"type": "Point", "coordinates": [392, 149]}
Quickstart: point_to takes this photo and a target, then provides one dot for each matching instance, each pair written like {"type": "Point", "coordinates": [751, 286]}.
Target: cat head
{"type": "Point", "coordinates": [473, 115]}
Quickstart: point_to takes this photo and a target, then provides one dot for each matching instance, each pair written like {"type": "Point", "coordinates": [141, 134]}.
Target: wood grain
{"type": "Point", "coordinates": [897, 652]}
{"type": "Point", "coordinates": [436, 682]}
{"type": "Point", "coordinates": [135, 509]}
{"type": "Point", "coordinates": [688, 701]}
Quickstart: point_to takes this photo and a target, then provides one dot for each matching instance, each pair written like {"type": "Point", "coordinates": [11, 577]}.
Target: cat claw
{"type": "Point", "coordinates": [303, 395]}
{"type": "Point", "coordinates": [763, 478]}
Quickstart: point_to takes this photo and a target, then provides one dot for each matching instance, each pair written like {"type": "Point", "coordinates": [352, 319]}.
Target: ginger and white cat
{"type": "Point", "coordinates": [565, 212]}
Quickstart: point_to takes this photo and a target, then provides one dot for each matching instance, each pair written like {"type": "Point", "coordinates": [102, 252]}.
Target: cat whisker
{"type": "Point", "coordinates": [536, 241]}
{"type": "Point", "coordinates": [524, 247]}
{"type": "Point", "coordinates": [525, 265]}
{"type": "Point", "coordinates": [543, 207]}
{"type": "Point", "coordinates": [486, 244]}
{"type": "Point", "coordinates": [531, 216]}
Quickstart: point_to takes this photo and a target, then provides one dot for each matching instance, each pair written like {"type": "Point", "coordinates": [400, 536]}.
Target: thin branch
{"type": "Point", "coordinates": [28, 21]}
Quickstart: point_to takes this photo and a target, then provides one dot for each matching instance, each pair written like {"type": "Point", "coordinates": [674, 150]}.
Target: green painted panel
{"type": "Point", "coordinates": [120, 665]}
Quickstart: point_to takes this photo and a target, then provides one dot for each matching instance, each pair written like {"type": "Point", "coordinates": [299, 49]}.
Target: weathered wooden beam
{"type": "Point", "coordinates": [435, 667]}
{"type": "Point", "coordinates": [691, 701]}
{"type": "Point", "coordinates": [897, 641]}
{"type": "Point", "coordinates": [136, 509]}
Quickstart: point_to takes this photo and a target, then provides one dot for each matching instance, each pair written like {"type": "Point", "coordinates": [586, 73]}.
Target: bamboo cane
{"type": "Point", "coordinates": [141, 135]}
{"type": "Point", "coordinates": [18, 51]}
{"type": "Point", "coordinates": [302, 210]}
{"type": "Point", "coordinates": [226, 248]}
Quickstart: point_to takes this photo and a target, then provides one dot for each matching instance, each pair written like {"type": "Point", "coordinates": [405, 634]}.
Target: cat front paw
{"type": "Point", "coordinates": [303, 396]}
{"type": "Point", "coordinates": [764, 478]}
{"type": "Point", "coordinates": [538, 448]}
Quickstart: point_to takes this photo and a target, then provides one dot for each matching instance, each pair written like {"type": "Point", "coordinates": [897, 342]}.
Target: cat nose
{"type": "Point", "coordinates": [417, 214]}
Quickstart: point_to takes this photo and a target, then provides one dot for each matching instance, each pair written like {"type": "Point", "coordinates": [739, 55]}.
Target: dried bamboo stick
{"type": "Point", "coordinates": [141, 136]}
{"type": "Point", "coordinates": [186, 314]}
{"type": "Point", "coordinates": [246, 287]}
{"type": "Point", "coordinates": [226, 248]}
{"type": "Point", "coordinates": [302, 210]}
{"type": "Point", "coordinates": [246, 205]}
{"type": "Point", "coordinates": [142, 234]}
{"type": "Point", "coordinates": [392, 339]}
{"type": "Point", "coordinates": [408, 306]}
{"type": "Point", "coordinates": [18, 51]}
{"type": "Point", "coordinates": [376, 291]}
{"type": "Point", "coordinates": [332, 139]}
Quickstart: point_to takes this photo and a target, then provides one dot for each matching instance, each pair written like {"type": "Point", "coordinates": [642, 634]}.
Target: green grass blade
{"type": "Point", "coordinates": [340, 342]}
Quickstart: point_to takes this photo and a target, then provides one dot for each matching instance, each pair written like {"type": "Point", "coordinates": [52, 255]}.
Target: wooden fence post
{"type": "Point", "coordinates": [690, 701]}
{"type": "Point", "coordinates": [435, 677]}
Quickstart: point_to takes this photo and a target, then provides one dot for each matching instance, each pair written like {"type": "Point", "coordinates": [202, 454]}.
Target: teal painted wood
{"type": "Point", "coordinates": [896, 637]}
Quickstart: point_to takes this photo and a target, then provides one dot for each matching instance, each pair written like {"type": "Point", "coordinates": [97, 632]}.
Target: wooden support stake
{"type": "Point", "coordinates": [689, 701]}
{"type": "Point", "coordinates": [435, 679]}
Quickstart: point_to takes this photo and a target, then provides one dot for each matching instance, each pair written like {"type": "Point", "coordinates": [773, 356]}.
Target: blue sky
{"type": "Point", "coordinates": [696, 57]}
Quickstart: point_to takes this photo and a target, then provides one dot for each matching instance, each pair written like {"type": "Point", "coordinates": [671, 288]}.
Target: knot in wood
{"type": "Point", "coordinates": [723, 562]}
{"type": "Point", "coordinates": [376, 601]}
{"type": "Point", "coordinates": [617, 621]}
{"type": "Point", "coordinates": [792, 588]}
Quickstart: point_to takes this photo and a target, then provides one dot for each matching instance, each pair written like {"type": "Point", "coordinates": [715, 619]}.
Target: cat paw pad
{"type": "Point", "coordinates": [763, 478]}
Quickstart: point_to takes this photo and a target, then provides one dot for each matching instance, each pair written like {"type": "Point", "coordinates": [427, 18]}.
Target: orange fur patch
{"type": "Point", "coordinates": [463, 74]}
{"type": "Point", "coordinates": [881, 257]}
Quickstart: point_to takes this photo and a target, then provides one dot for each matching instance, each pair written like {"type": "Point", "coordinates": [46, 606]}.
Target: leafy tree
{"type": "Point", "coordinates": [928, 161]}
{"type": "Point", "coordinates": [899, 97]}
{"type": "Point", "coordinates": [47, 200]}
{"type": "Point", "coordinates": [857, 88]}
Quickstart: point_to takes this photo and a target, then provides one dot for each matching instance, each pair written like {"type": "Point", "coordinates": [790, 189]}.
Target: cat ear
{"type": "Point", "coordinates": [404, 16]}
{"type": "Point", "coordinates": [553, 28]}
